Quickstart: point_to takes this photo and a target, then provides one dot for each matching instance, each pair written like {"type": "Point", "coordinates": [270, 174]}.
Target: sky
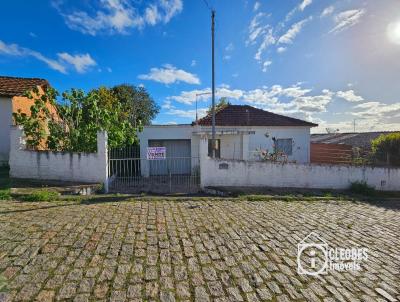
{"type": "Point", "coordinates": [335, 63]}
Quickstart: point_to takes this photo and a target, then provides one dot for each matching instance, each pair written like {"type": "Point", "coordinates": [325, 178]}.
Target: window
{"type": "Point", "coordinates": [217, 148]}
{"type": "Point", "coordinates": [284, 145]}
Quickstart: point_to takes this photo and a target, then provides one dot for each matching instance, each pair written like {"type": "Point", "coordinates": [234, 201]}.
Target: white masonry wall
{"type": "Point", "coordinates": [64, 166]}
{"type": "Point", "coordinates": [231, 173]}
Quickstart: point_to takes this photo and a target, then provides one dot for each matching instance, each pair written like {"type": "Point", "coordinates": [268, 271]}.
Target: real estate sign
{"type": "Point", "coordinates": [156, 153]}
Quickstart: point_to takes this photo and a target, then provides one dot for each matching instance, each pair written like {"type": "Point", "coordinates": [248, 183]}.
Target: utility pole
{"type": "Point", "coordinates": [213, 84]}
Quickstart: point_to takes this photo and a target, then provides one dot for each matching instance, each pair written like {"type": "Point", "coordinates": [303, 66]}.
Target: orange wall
{"type": "Point", "coordinates": [24, 104]}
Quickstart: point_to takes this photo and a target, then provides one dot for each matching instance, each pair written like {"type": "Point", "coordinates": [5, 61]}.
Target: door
{"type": "Point", "coordinates": [178, 157]}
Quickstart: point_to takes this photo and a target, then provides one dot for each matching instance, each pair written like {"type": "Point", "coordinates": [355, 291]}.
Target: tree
{"type": "Point", "coordinates": [386, 148]}
{"type": "Point", "coordinates": [222, 103]}
{"type": "Point", "coordinates": [76, 121]}
{"type": "Point", "coordinates": [137, 103]}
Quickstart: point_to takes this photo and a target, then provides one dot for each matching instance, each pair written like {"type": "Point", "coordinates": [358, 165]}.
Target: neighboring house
{"type": "Point", "coordinates": [241, 131]}
{"type": "Point", "coordinates": [340, 148]}
{"type": "Point", "coordinates": [12, 90]}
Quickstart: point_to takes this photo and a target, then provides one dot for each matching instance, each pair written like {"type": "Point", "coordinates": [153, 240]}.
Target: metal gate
{"type": "Point", "coordinates": [128, 172]}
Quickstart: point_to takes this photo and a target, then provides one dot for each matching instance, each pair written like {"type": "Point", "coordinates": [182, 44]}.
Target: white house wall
{"type": "Point", "coordinates": [300, 136]}
{"type": "Point", "coordinates": [5, 124]}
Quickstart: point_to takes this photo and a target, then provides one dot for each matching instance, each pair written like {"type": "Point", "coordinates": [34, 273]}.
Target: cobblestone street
{"type": "Point", "coordinates": [215, 250]}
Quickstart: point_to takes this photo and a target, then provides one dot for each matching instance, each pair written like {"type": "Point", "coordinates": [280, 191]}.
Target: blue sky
{"type": "Point", "coordinates": [330, 62]}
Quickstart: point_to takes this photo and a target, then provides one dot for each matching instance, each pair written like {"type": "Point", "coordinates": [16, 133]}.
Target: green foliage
{"type": "Point", "coordinates": [3, 284]}
{"type": "Point", "coordinates": [35, 124]}
{"type": "Point", "coordinates": [222, 103]}
{"type": "Point", "coordinates": [386, 148]}
{"type": "Point", "coordinates": [42, 195]}
{"type": "Point", "coordinates": [361, 187]}
{"type": "Point", "coordinates": [5, 194]}
{"type": "Point", "coordinates": [136, 103]}
{"type": "Point", "coordinates": [76, 121]}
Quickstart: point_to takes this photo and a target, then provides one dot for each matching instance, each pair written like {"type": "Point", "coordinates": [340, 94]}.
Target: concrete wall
{"type": "Point", "coordinates": [64, 166]}
{"type": "Point", "coordinates": [5, 123]}
{"type": "Point", "coordinates": [228, 173]}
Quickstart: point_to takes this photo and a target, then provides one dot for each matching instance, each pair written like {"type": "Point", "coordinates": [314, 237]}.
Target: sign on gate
{"type": "Point", "coordinates": [155, 153]}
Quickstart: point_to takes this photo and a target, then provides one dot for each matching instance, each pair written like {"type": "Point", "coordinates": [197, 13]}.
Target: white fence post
{"type": "Point", "coordinates": [102, 153]}
{"type": "Point", "coordinates": [203, 156]}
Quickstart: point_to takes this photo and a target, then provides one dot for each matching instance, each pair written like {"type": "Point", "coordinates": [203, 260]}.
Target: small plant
{"type": "Point", "coordinates": [3, 284]}
{"type": "Point", "coordinates": [5, 194]}
{"type": "Point", "coordinates": [361, 187]}
{"type": "Point", "coordinates": [42, 195]}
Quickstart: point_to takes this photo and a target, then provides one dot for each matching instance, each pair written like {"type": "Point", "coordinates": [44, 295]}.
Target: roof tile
{"type": "Point", "coordinates": [14, 86]}
{"type": "Point", "coordinates": [244, 115]}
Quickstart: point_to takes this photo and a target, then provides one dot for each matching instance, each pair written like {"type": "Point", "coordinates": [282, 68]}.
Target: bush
{"type": "Point", "coordinates": [42, 195]}
{"type": "Point", "coordinates": [386, 148]}
{"type": "Point", "coordinates": [5, 194]}
{"type": "Point", "coordinates": [361, 187]}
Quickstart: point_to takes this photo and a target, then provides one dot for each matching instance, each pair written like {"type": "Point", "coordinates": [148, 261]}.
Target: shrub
{"type": "Point", "coordinates": [42, 195]}
{"type": "Point", "coordinates": [386, 148]}
{"type": "Point", "coordinates": [361, 187]}
{"type": "Point", "coordinates": [5, 194]}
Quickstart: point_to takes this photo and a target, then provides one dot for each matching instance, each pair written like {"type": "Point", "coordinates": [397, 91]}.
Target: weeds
{"type": "Point", "coordinates": [5, 194]}
{"type": "Point", "coordinates": [42, 195]}
{"type": "Point", "coordinates": [362, 188]}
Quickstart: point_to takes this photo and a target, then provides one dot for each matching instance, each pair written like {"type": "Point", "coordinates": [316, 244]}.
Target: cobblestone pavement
{"type": "Point", "coordinates": [215, 250]}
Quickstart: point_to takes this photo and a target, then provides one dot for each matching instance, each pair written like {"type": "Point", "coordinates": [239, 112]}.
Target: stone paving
{"type": "Point", "coordinates": [214, 250]}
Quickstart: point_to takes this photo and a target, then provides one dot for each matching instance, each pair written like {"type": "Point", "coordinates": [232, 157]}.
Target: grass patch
{"type": "Point", "coordinates": [362, 188]}
{"type": "Point", "coordinates": [41, 195]}
{"type": "Point", "coordinates": [5, 194]}
{"type": "Point", "coordinates": [3, 284]}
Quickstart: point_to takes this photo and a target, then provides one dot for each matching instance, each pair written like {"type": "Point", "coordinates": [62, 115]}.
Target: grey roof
{"type": "Point", "coordinates": [360, 140]}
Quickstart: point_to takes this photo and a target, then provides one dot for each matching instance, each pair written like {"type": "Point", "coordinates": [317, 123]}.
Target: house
{"type": "Point", "coordinates": [12, 90]}
{"type": "Point", "coordinates": [241, 131]}
{"type": "Point", "coordinates": [340, 148]}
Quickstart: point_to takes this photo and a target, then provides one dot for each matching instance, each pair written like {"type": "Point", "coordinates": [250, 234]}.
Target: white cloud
{"type": "Point", "coordinates": [281, 49]}
{"type": "Point", "coordinates": [120, 15]}
{"type": "Point", "coordinates": [256, 6]}
{"type": "Point", "coordinates": [256, 29]}
{"type": "Point", "coordinates": [81, 62]}
{"type": "Point", "coordinates": [347, 19]}
{"type": "Point", "coordinates": [265, 65]}
{"type": "Point", "coordinates": [169, 74]}
{"type": "Point", "coordinates": [194, 63]}
{"type": "Point", "coordinates": [291, 34]}
{"type": "Point", "coordinates": [268, 40]}
{"type": "Point", "coordinates": [227, 57]}
{"type": "Point", "coordinates": [327, 11]}
{"type": "Point", "coordinates": [349, 96]}
{"type": "Point", "coordinates": [16, 50]}
{"type": "Point", "coordinates": [304, 4]}
{"type": "Point", "coordinates": [230, 47]}
{"type": "Point", "coordinates": [109, 69]}
{"type": "Point", "coordinates": [188, 113]}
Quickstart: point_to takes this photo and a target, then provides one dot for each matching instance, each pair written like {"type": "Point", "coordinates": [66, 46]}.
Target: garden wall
{"type": "Point", "coordinates": [229, 173]}
{"type": "Point", "coordinates": [64, 166]}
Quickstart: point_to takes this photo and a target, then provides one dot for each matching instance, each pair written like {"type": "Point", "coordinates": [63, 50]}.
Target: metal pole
{"type": "Point", "coordinates": [197, 117]}
{"type": "Point", "coordinates": [213, 84]}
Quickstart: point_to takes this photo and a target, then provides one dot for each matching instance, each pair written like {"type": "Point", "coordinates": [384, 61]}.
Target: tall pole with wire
{"type": "Point", "coordinates": [213, 84]}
